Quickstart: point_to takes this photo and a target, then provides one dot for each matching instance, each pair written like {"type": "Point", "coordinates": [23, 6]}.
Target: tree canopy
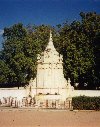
{"type": "Point", "coordinates": [78, 42]}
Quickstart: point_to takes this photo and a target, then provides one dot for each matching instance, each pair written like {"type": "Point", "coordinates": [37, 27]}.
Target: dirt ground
{"type": "Point", "coordinates": [48, 118]}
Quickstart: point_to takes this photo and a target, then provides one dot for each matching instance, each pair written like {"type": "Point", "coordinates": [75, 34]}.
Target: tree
{"type": "Point", "coordinates": [5, 73]}
{"type": "Point", "coordinates": [91, 29]}
{"type": "Point", "coordinates": [78, 53]}
{"type": "Point", "coordinates": [13, 53]}
{"type": "Point", "coordinates": [20, 49]}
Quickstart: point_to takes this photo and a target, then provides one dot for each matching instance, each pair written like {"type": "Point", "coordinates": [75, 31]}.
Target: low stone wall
{"type": "Point", "coordinates": [14, 97]}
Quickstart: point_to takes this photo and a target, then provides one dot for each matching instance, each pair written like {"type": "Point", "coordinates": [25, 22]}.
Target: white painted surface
{"type": "Point", "coordinates": [90, 93]}
{"type": "Point", "coordinates": [49, 69]}
{"type": "Point", "coordinates": [20, 93]}
{"type": "Point", "coordinates": [13, 92]}
{"type": "Point", "coordinates": [48, 97]}
{"type": "Point", "coordinates": [50, 76]}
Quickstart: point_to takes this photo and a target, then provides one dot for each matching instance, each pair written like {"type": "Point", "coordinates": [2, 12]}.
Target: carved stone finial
{"type": "Point", "coordinates": [50, 39]}
{"type": "Point", "coordinates": [50, 45]}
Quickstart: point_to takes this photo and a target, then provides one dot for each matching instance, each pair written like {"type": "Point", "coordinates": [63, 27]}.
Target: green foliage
{"type": "Point", "coordinates": [15, 32]}
{"type": "Point", "coordinates": [91, 29]}
{"type": "Point", "coordinates": [19, 54]}
{"type": "Point", "coordinates": [80, 48]}
{"type": "Point", "coordinates": [40, 35]}
{"type": "Point", "coordinates": [6, 73]}
{"type": "Point", "coordinates": [78, 42]}
{"type": "Point", "coordinates": [86, 103]}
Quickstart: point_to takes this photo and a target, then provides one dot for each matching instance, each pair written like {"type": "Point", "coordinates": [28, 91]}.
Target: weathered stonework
{"type": "Point", "coordinates": [50, 83]}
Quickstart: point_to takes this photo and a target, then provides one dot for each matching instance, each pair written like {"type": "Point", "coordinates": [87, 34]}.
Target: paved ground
{"type": "Point", "coordinates": [48, 118]}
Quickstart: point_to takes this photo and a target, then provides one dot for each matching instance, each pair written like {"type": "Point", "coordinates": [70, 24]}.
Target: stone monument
{"type": "Point", "coordinates": [50, 83]}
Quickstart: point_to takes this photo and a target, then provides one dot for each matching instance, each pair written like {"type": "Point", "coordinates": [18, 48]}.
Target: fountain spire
{"type": "Point", "coordinates": [50, 44]}
{"type": "Point", "coordinates": [50, 39]}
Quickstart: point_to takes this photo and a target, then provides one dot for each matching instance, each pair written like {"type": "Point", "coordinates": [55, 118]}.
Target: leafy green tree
{"type": "Point", "coordinates": [79, 44]}
{"type": "Point", "coordinates": [91, 29]}
{"type": "Point", "coordinates": [77, 52]}
{"type": "Point", "coordinates": [13, 53]}
{"type": "Point", "coordinates": [20, 49]}
{"type": "Point", "coordinates": [6, 73]}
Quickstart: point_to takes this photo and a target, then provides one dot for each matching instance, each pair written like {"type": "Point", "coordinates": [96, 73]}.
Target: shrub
{"type": "Point", "coordinates": [86, 103]}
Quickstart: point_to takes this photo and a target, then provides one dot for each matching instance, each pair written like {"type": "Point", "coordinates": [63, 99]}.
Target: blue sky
{"type": "Point", "coordinates": [39, 12]}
